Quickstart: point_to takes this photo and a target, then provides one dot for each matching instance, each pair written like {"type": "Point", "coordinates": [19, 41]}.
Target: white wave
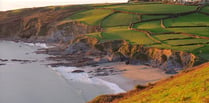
{"type": "Point", "coordinates": [66, 72]}
{"type": "Point", "coordinates": [41, 45]}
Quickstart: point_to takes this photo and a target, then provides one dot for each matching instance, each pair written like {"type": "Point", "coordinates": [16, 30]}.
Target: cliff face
{"type": "Point", "coordinates": [120, 50]}
{"type": "Point", "coordinates": [50, 25]}
{"type": "Point", "coordinates": [36, 23]}
{"type": "Point", "coordinates": [69, 30]}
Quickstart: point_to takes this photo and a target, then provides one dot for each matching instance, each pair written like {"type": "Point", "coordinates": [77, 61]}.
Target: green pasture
{"type": "Point", "coordinates": [163, 37]}
{"type": "Point", "coordinates": [153, 8]}
{"type": "Point", "coordinates": [186, 41]}
{"type": "Point", "coordinates": [120, 19]}
{"type": "Point", "coordinates": [125, 34]}
{"type": "Point", "coordinates": [205, 9]}
{"type": "Point", "coordinates": [91, 17]}
{"type": "Point", "coordinates": [194, 19]}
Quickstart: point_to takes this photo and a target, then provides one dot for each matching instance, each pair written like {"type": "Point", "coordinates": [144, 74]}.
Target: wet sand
{"type": "Point", "coordinates": [34, 82]}
{"type": "Point", "coordinates": [130, 75]}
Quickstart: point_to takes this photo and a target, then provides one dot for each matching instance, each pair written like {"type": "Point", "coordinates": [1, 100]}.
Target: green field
{"type": "Point", "coordinates": [125, 34]}
{"type": "Point", "coordinates": [163, 37]}
{"type": "Point", "coordinates": [149, 17]}
{"type": "Point", "coordinates": [153, 8]}
{"type": "Point", "coordinates": [187, 48]}
{"type": "Point", "coordinates": [115, 25]}
{"type": "Point", "coordinates": [205, 9]}
{"type": "Point", "coordinates": [91, 17]}
{"type": "Point", "coordinates": [153, 26]}
{"type": "Point", "coordinates": [120, 19]}
{"type": "Point", "coordinates": [188, 20]}
{"type": "Point", "coordinates": [201, 31]}
{"type": "Point", "coordinates": [186, 41]}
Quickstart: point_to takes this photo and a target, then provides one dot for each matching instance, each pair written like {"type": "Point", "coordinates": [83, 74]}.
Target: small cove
{"type": "Point", "coordinates": [25, 78]}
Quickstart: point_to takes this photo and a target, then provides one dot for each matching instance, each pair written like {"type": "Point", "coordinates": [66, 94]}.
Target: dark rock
{"type": "Point", "coordinates": [2, 64]}
{"type": "Point", "coordinates": [78, 71]}
{"type": "Point", "coordinates": [94, 65]}
{"type": "Point", "coordinates": [3, 60]}
{"type": "Point", "coordinates": [102, 74]}
{"type": "Point", "coordinates": [171, 71]}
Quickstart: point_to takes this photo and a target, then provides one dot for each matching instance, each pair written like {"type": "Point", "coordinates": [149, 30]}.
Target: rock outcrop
{"type": "Point", "coordinates": [33, 23]}
{"type": "Point", "coordinates": [69, 30]}
{"type": "Point", "coordinates": [121, 50]}
{"type": "Point", "coordinates": [51, 25]}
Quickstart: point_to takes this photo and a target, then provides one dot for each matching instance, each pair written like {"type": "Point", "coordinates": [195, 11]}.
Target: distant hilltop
{"type": "Point", "coordinates": [174, 1]}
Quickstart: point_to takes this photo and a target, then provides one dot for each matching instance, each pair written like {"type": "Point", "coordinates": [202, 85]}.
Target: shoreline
{"type": "Point", "coordinates": [117, 76]}
{"type": "Point", "coordinates": [128, 76]}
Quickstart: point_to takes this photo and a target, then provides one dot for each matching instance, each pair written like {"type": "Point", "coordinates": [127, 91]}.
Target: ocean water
{"type": "Point", "coordinates": [33, 81]}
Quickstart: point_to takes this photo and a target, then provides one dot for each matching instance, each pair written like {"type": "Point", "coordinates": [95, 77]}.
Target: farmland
{"type": "Point", "coordinates": [158, 22]}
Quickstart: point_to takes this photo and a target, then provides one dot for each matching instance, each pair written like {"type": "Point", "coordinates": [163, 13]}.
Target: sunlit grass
{"type": "Point", "coordinates": [154, 8]}
{"type": "Point", "coordinates": [163, 37]}
{"type": "Point", "coordinates": [120, 19]}
{"type": "Point", "coordinates": [194, 19]}
{"type": "Point", "coordinates": [91, 17]}
{"type": "Point", "coordinates": [191, 87]}
{"type": "Point", "coordinates": [125, 34]}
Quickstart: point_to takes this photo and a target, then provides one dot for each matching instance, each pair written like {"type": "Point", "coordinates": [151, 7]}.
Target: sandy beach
{"type": "Point", "coordinates": [128, 76]}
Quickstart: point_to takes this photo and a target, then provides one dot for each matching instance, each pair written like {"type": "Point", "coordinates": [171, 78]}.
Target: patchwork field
{"type": "Point", "coordinates": [152, 22]}
{"type": "Point", "coordinates": [120, 19]}
{"type": "Point", "coordinates": [164, 37]}
{"type": "Point", "coordinates": [195, 19]}
{"type": "Point", "coordinates": [91, 17]}
{"type": "Point", "coordinates": [125, 34]}
{"type": "Point", "coordinates": [153, 8]}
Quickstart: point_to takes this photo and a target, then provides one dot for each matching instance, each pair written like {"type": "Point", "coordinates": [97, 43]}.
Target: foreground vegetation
{"type": "Point", "coordinates": [187, 87]}
{"type": "Point", "coordinates": [191, 87]}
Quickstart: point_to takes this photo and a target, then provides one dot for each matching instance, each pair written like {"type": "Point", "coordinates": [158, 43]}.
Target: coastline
{"type": "Point", "coordinates": [117, 76]}
{"type": "Point", "coordinates": [128, 76]}
{"type": "Point", "coordinates": [25, 67]}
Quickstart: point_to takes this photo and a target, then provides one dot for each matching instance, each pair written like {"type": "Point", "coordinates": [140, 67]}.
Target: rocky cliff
{"type": "Point", "coordinates": [41, 22]}
{"type": "Point", "coordinates": [121, 50]}
{"type": "Point", "coordinates": [50, 25]}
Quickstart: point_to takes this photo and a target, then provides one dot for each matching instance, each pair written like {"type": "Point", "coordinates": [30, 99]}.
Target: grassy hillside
{"type": "Point", "coordinates": [151, 24]}
{"type": "Point", "coordinates": [152, 8]}
{"type": "Point", "coordinates": [187, 87]}
{"type": "Point", "coordinates": [91, 17]}
{"type": "Point", "coordinates": [191, 87]}
{"type": "Point", "coordinates": [205, 9]}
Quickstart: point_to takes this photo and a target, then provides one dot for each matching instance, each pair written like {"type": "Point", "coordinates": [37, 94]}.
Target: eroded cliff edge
{"type": "Point", "coordinates": [74, 45]}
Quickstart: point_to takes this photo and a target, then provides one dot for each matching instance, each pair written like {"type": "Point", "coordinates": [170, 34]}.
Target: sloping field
{"type": "Point", "coordinates": [194, 19]}
{"type": "Point", "coordinates": [125, 34]}
{"type": "Point", "coordinates": [153, 8]}
{"type": "Point", "coordinates": [179, 32]}
{"type": "Point", "coordinates": [120, 19]}
{"type": "Point", "coordinates": [186, 48]}
{"type": "Point", "coordinates": [91, 17]}
{"type": "Point", "coordinates": [149, 17]}
{"type": "Point", "coordinates": [163, 37]}
{"type": "Point", "coordinates": [200, 31]}
{"type": "Point", "coordinates": [187, 41]}
{"type": "Point", "coordinates": [205, 9]}
{"type": "Point", "coordinates": [153, 26]}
